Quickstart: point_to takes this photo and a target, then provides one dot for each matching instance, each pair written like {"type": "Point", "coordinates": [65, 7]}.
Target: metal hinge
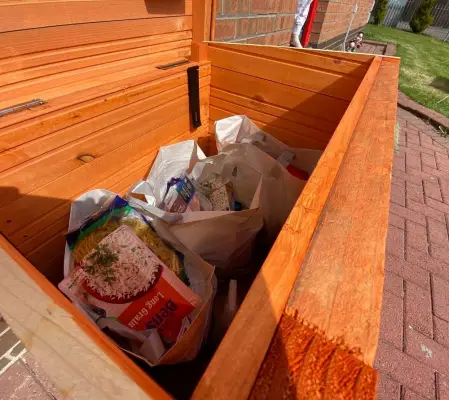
{"type": "Point", "coordinates": [22, 106]}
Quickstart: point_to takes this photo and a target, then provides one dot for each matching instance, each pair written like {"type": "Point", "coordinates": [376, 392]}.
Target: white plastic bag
{"type": "Point", "coordinates": [279, 192]}
{"type": "Point", "coordinates": [222, 238]}
{"type": "Point", "coordinates": [201, 278]}
{"type": "Point", "coordinates": [240, 129]}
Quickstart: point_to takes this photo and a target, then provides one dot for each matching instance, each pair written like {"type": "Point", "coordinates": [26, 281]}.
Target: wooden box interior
{"type": "Point", "coordinates": [108, 109]}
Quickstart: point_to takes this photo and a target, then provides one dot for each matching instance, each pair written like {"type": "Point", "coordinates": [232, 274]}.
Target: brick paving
{"type": "Point", "coordinates": [413, 352]}
{"type": "Point", "coordinates": [21, 377]}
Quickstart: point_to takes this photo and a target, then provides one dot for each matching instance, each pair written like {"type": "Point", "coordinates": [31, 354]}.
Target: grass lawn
{"type": "Point", "coordinates": [424, 73]}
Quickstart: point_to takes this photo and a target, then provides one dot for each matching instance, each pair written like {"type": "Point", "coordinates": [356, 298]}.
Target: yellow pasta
{"type": "Point", "coordinates": [142, 231]}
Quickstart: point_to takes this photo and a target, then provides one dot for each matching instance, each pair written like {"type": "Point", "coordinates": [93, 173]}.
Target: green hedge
{"type": "Point", "coordinates": [422, 18]}
{"type": "Point", "coordinates": [380, 12]}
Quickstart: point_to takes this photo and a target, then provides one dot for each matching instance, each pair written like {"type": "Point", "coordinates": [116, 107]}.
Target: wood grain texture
{"type": "Point", "coordinates": [43, 245]}
{"type": "Point", "coordinates": [72, 176]}
{"type": "Point", "coordinates": [292, 139]}
{"type": "Point", "coordinates": [346, 250]}
{"type": "Point", "coordinates": [67, 37]}
{"type": "Point", "coordinates": [342, 55]}
{"type": "Point", "coordinates": [302, 363]}
{"type": "Point", "coordinates": [261, 90]}
{"type": "Point", "coordinates": [297, 128]}
{"type": "Point", "coordinates": [201, 22]}
{"type": "Point", "coordinates": [234, 367]}
{"type": "Point", "coordinates": [31, 140]}
{"type": "Point", "coordinates": [51, 67]}
{"type": "Point", "coordinates": [81, 98]}
{"type": "Point", "coordinates": [283, 108]}
{"type": "Point", "coordinates": [83, 362]}
{"type": "Point", "coordinates": [43, 58]}
{"type": "Point", "coordinates": [310, 59]}
{"type": "Point", "coordinates": [47, 87]}
{"type": "Point", "coordinates": [114, 131]}
{"type": "Point", "coordinates": [287, 114]}
{"type": "Point", "coordinates": [19, 15]}
{"type": "Point", "coordinates": [290, 73]}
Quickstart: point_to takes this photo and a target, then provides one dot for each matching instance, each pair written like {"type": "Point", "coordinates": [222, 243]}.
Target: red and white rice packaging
{"type": "Point", "coordinates": [158, 305]}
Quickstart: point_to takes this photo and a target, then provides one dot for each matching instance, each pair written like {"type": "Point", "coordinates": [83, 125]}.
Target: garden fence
{"type": "Point", "coordinates": [400, 13]}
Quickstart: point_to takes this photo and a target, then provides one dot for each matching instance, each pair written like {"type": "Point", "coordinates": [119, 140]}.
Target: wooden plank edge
{"type": "Point", "coordinates": [234, 367]}
{"type": "Point", "coordinates": [344, 249]}
{"type": "Point", "coordinates": [311, 79]}
{"type": "Point", "coordinates": [272, 52]}
{"type": "Point", "coordinates": [391, 59]}
{"type": "Point", "coordinates": [97, 93]}
{"type": "Point", "coordinates": [110, 349]}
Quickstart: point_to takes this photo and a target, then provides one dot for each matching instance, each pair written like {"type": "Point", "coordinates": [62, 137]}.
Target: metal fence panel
{"type": "Point", "coordinates": [400, 13]}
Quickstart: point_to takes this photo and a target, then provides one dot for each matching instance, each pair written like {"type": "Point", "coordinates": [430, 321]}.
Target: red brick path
{"type": "Point", "coordinates": [413, 352]}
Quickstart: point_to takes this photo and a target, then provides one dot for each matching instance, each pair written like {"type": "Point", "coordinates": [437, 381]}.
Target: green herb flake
{"type": "Point", "coordinates": [102, 258]}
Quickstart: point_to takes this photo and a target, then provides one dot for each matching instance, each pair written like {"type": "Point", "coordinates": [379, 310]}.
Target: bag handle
{"type": "Point", "coordinates": [143, 187]}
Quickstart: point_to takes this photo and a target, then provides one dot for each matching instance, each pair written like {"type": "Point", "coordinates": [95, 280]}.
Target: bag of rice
{"type": "Point", "coordinates": [122, 278]}
{"type": "Point", "coordinates": [136, 280]}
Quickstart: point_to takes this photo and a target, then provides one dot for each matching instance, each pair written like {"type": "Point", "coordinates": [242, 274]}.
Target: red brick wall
{"type": "Point", "coordinates": [271, 21]}
{"type": "Point", "coordinates": [332, 20]}
{"type": "Point", "coordinates": [255, 21]}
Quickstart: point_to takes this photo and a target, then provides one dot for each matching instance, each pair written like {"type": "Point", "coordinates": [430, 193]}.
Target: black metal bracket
{"type": "Point", "coordinates": [193, 78]}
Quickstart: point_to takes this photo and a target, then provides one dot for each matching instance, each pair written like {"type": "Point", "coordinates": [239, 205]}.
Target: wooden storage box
{"type": "Point", "coordinates": [108, 109]}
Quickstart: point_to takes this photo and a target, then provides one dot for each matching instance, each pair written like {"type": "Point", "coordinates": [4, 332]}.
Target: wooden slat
{"type": "Point", "coordinates": [82, 361]}
{"type": "Point", "coordinates": [288, 137]}
{"type": "Point", "coordinates": [41, 170]}
{"type": "Point", "coordinates": [328, 83]}
{"type": "Point", "coordinates": [50, 68]}
{"type": "Point", "coordinates": [46, 205]}
{"type": "Point", "coordinates": [201, 24]}
{"type": "Point", "coordinates": [44, 136]}
{"type": "Point", "coordinates": [68, 37]}
{"type": "Point", "coordinates": [71, 53]}
{"type": "Point", "coordinates": [293, 115]}
{"type": "Point", "coordinates": [345, 249]}
{"type": "Point", "coordinates": [234, 367]}
{"type": "Point", "coordinates": [41, 249]}
{"type": "Point", "coordinates": [31, 14]}
{"type": "Point", "coordinates": [306, 58]}
{"type": "Point", "coordinates": [20, 92]}
{"type": "Point", "coordinates": [77, 96]}
{"type": "Point", "coordinates": [342, 55]}
{"type": "Point", "coordinates": [279, 122]}
{"type": "Point", "coordinates": [278, 94]}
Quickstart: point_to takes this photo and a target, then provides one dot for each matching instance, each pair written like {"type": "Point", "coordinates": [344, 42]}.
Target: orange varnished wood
{"type": "Point", "coordinates": [278, 94]}
{"type": "Point", "coordinates": [81, 98]}
{"type": "Point", "coordinates": [19, 15]}
{"type": "Point", "coordinates": [81, 37]}
{"type": "Point", "coordinates": [119, 47]}
{"type": "Point", "coordinates": [43, 317]}
{"type": "Point", "coordinates": [319, 61]}
{"type": "Point", "coordinates": [330, 83]}
{"type": "Point", "coordinates": [25, 141]}
{"type": "Point", "coordinates": [50, 67]}
{"type": "Point", "coordinates": [234, 367]}
{"type": "Point", "coordinates": [348, 248]}
{"type": "Point", "coordinates": [96, 67]}
{"type": "Point", "coordinates": [47, 87]}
